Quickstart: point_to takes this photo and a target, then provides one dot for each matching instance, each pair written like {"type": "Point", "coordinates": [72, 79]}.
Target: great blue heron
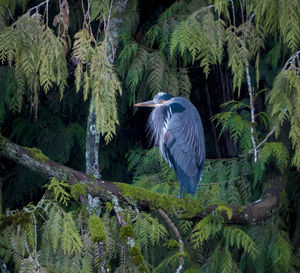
{"type": "Point", "coordinates": [176, 127]}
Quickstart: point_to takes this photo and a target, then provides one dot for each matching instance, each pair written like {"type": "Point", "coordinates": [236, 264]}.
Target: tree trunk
{"type": "Point", "coordinates": [93, 135]}
{"type": "Point", "coordinates": [112, 39]}
{"type": "Point", "coordinates": [92, 145]}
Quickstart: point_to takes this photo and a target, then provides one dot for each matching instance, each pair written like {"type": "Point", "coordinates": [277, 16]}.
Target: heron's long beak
{"type": "Point", "coordinates": [149, 103]}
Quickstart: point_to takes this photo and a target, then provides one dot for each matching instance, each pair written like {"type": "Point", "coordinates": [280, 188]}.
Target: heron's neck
{"type": "Point", "coordinates": [157, 124]}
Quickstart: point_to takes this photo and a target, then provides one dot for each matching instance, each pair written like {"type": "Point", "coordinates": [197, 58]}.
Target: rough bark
{"type": "Point", "coordinates": [112, 30]}
{"type": "Point", "coordinates": [114, 26]}
{"type": "Point", "coordinates": [107, 191]}
{"type": "Point", "coordinates": [258, 211]}
{"type": "Point", "coordinates": [92, 145]}
{"type": "Point", "coordinates": [39, 163]}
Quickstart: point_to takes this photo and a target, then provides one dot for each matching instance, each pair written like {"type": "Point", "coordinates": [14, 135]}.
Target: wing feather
{"type": "Point", "coordinates": [184, 147]}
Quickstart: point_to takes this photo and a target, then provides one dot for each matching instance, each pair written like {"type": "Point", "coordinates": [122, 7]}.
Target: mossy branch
{"type": "Point", "coordinates": [20, 217]}
{"type": "Point", "coordinates": [146, 200]}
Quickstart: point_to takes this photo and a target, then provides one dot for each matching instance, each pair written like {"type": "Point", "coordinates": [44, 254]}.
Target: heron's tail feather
{"type": "Point", "coordinates": [189, 183]}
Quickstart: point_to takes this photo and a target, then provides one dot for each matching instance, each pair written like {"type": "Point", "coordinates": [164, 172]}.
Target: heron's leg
{"type": "Point", "coordinates": [180, 192]}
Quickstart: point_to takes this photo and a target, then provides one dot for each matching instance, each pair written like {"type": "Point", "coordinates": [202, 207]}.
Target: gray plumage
{"type": "Point", "coordinates": [176, 127]}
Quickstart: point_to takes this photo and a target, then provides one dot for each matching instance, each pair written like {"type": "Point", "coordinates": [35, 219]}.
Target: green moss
{"type": "Point", "coordinates": [99, 260]}
{"type": "Point", "coordinates": [92, 177]}
{"type": "Point", "coordinates": [84, 211]}
{"type": "Point", "coordinates": [126, 231]}
{"type": "Point", "coordinates": [108, 267]}
{"type": "Point", "coordinates": [135, 251]}
{"type": "Point", "coordinates": [96, 228]}
{"type": "Point", "coordinates": [221, 208]}
{"type": "Point", "coordinates": [77, 190]}
{"type": "Point", "coordinates": [138, 260]}
{"type": "Point", "coordinates": [143, 268]}
{"type": "Point", "coordinates": [37, 154]}
{"type": "Point", "coordinates": [19, 218]}
{"type": "Point", "coordinates": [185, 208]}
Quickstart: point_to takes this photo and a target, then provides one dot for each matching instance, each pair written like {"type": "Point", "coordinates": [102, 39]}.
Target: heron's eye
{"type": "Point", "coordinates": [161, 101]}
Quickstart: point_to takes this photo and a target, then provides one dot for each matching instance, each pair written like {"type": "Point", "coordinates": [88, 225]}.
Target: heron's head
{"type": "Point", "coordinates": [158, 100]}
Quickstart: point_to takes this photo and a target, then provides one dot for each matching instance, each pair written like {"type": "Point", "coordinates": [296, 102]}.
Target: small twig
{"type": "Point", "coordinates": [105, 34]}
{"type": "Point", "coordinates": [39, 5]}
{"type": "Point", "coordinates": [46, 11]}
{"type": "Point", "coordinates": [36, 8]}
{"type": "Point", "coordinates": [10, 14]}
{"type": "Point", "coordinates": [37, 264]}
{"type": "Point", "coordinates": [33, 257]}
{"type": "Point", "coordinates": [193, 15]}
{"type": "Point", "coordinates": [252, 111]}
{"type": "Point", "coordinates": [233, 12]}
{"type": "Point", "coordinates": [241, 5]}
{"type": "Point", "coordinates": [291, 59]}
{"type": "Point", "coordinates": [87, 19]}
{"type": "Point", "coordinates": [29, 253]}
{"type": "Point", "coordinates": [89, 13]}
{"type": "Point", "coordinates": [109, 40]}
{"type": "Point", "coordinates": [264, 141]}
{"type": "Point", "coordinates": [252, 16]}
{"type": "Point", "coordinates": [178, 236]}
{"type": "Point", "coordinates": [84, 14]}
{"type": "Point", "coordinates": [109, 14]}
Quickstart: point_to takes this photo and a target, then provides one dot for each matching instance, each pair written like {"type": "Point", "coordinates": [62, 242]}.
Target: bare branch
{"type": "Point", "coordinates": [292, 61]}
{"type": "Point", "coordinates": [36, 8]}
{"type": "Point", "coordinates": [250, 91]}
{"type": "Point", "coordinates": [264, 141]}
{"type": "Point", "coordinates": [233, 12]}
{"type": "Point", "coordinates": [10, 15]}
{"type": "Point", "coordinates": [178, 236]}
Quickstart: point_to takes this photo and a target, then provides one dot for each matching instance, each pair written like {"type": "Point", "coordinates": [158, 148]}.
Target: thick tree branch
{"type": "Point", "coordinates": [36, 161]}
{"type": "Point", "coordinates": [107, 191]}
{"type": "Point", "coordinates": [258, 211]}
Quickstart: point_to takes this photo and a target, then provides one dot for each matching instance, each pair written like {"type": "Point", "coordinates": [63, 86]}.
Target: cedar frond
{"type": "Point", "coordinates": [99, 80]}
{"type": "Point", "coordinates": [38, 55]}
{"type": "Point", "coordinates": [206, 228]}
{"type": "Point", "coordinates": [240, 239]}
{"type": "Point", "coordinates": [284, 101]}
{"type": "Point", "coordinates": [148, 230]}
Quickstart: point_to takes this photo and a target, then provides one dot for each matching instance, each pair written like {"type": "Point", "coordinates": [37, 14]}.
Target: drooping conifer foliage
{"type": "Point", "coordinates": [237, 61]}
